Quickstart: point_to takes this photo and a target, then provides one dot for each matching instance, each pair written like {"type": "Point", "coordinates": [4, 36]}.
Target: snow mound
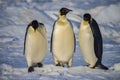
{"type": "Point", "coordinates": [5, 68]}
{"type": "Point", "coordinates": [110, 14]}
{"type": "Point", "coordinates": [117, 67]}
{"type": "Point", "coordinates": [51, 72]}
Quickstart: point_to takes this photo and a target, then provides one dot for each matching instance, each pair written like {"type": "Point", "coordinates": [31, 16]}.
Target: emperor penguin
{"type": "Point", "coordinates": [91, 44]}
{"type": "Point", "coordinates": [63, 40]}
{"type": "Point", "coordinates": [35, 44]}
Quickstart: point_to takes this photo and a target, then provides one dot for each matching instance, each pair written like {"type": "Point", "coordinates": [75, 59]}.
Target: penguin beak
{"type": "Point", "coordinates": [68, 10]}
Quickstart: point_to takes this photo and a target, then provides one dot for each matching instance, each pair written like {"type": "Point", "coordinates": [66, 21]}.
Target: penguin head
{"type": "Point", "coordinates": [34, 24]}
{"type": "Point", "coordinates": [64, 11]}
{"type": "Point", "coordinates": [87, 17]}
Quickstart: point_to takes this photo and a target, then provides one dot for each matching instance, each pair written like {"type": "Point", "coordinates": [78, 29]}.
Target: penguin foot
{"type": "Point", "coordinates": [69, 65]}
{"type": "Point", "coordinates": [101, 66]}
{"type": "Point", "coordinates": [40, 64]}
{"type": "Point", "coordinates": [59, 65]}
{"type": "Point", "coordinates": [30, 69]}
{"type": "Point", "coordinates": [88, 65]}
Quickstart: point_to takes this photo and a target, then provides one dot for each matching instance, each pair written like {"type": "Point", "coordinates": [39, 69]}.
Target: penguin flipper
{"type": "Point", "coordinates": [24, 44]}
{"type": "Point", "coordinates": [74, 43]}
{"type": "Point", "coordinates": [52, 38]}
{"type": "Point", "coordinates": [25, 39]}
{"type": "Point", "coordinates": [74, 36]}
{"type": "Point", "coordinates": [51, 42]}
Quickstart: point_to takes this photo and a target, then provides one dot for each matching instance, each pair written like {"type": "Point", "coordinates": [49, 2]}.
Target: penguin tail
{"type": "Point", "coordinates": [101, 66]}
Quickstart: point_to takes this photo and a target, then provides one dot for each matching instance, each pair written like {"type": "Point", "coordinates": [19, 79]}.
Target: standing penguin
{"type": "Point", "coordinates": [63, 40]}
{"type": "Point", "coordinates": [35, 44]}
{"type": "Point", "coordinates": [90, 40]}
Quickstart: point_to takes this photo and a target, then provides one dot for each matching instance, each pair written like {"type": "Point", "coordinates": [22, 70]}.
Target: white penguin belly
{"type": "Point", "coordinates": [86, 41]}
{"type": "Point", "coordinates": [36, 47]}
{"type": "Point", "coordinates": [63, 44]}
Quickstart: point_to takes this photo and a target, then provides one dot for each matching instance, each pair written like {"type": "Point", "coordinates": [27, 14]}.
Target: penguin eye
{"type": "Point", "coordinates": [65, 10]}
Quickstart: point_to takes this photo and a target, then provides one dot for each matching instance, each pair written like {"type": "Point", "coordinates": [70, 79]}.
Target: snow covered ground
{"type": "Point", "coordinates": [15, 15]}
